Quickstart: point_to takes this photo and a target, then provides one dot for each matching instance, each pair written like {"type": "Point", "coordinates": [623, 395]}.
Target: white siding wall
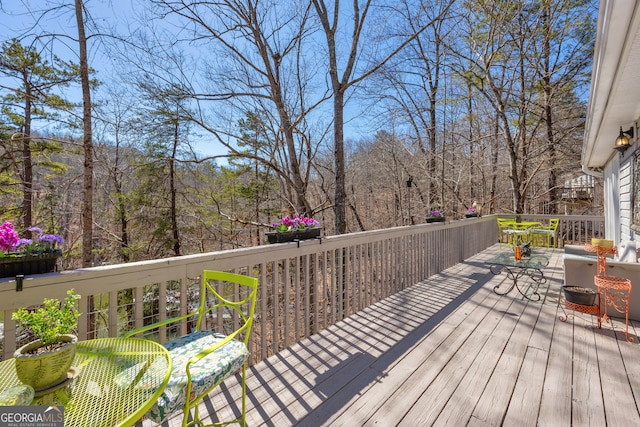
{"type": "Point", "coordinates": [612, 200]}
{"type": "Point", "coordinates": [626, 189]}
{"type": "Point", "coordinates": [619, 197]}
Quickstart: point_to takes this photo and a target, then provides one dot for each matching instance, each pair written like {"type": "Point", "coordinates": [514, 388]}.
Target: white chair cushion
{"type": "Point", "coordinates": [514, 231]}
{"type": "Point", "coordinates": [542, 231]}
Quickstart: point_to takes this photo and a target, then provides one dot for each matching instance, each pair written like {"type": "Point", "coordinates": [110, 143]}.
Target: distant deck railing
{"type": "Point", "coordinates": [304, 287]}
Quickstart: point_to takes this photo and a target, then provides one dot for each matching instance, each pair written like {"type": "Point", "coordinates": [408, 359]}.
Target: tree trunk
{"type": "Point", "coordinates": [27, 167]}
{"type": "Point", "coordinates": [338, 151]}
{"type": "Point", "coordinates": [548, 116]}
{"type": "Point", "coordinates": [172, 185]}
{"type": "Point", "coordinates": [87, 211]}
{"type": "Point", "coordinates": [494, 165]}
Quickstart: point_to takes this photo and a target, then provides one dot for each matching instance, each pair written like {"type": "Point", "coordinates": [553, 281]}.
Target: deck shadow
{"type": "Point", "coordinates": [344, 381]}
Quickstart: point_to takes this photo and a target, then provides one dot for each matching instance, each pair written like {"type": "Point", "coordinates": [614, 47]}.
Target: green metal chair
{"type": "Point", "coordinates": [503, 228]}
{"type": "Point", "coordinates": [203, 359]}
{"type": "Point", "coordinates": [514, 232]}
{"type": "Point", "coordinates": [544, 235]}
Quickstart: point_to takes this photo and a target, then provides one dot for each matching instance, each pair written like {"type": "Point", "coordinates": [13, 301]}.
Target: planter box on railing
{"type": "Point", "coordinates": [292, 236]}
{"type": "Point", "coordinates": [28, 264]}
{"type": "Point", "coordinates": [435, 219]}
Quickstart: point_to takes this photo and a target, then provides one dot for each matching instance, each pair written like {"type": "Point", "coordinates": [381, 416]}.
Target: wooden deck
{"type": "Point", "coordinates": [449, 351]}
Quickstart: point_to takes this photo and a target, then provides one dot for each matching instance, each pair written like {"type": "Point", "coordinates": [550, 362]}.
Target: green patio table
{"type": "Point", "coordinates": [113, 382]}
{"type": "Point", "coordinates": [530, 266]}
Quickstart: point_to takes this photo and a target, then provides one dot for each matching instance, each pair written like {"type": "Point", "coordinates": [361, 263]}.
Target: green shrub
{"type": "Point", "coordinates": [52, 319]}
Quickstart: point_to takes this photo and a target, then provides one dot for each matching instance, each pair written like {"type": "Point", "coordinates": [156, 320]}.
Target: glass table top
{"type": "Point", "coordinates": [508, 259]}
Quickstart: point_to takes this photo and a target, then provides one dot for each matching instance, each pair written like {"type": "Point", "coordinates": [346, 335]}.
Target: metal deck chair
{"type": "Point", "coordinates": [205, 357]}
{"type": "Point", "coordinates": [543, 235]}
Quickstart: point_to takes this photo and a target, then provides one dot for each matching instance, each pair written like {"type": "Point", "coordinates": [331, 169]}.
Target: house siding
{"type": "Point", "coordinates": [612, 200]}
{"type": "Point", "coordinates": [625, 189]}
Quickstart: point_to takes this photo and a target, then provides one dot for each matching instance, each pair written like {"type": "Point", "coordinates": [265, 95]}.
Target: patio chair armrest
{"type": "Point", "coordinates": [156, 325]}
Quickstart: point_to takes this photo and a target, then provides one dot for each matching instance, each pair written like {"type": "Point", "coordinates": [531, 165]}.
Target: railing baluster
{"type": "Point", "coordinates": [287, 303]}
{"type": "Point", "coordinates": [276, 320]}
{"type": "Point", "coordinates": [112, 311]}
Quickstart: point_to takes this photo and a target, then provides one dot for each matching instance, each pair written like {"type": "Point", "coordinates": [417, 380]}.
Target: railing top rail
{"type": "Point", "coordinates": [107, 278]}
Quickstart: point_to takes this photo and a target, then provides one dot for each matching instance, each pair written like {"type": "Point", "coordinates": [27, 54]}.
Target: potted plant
{"type": "Point", "coordinates": [472, 212]}
{"type": "Point", "coordinates": [289, 229]}
{"type": "Point", "coordinates": [27, 256]}
{"type": "Point", "coordinates": [45, 362]}
{"type": "Point", "coordinates": [435, 215]}
{"type": "Point", "coordinates": [579, 295]}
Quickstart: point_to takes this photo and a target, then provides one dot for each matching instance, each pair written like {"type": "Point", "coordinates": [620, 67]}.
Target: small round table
{"type": "Point", "coordinates": [113, 382]}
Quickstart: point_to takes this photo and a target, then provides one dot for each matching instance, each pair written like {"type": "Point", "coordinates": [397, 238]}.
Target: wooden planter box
{"type": "Point", "coordinates": [435, 219]}
{"type": "Point", "coordinates": [28, 264]}
{"type": "Point", "coordinates": [292, 236]}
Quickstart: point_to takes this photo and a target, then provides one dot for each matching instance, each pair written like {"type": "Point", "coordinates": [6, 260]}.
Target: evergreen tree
{"type": "Point", "coordinates": [30, 97]}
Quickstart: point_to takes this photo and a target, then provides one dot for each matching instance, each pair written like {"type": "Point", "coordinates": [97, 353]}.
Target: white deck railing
{"type": "Point", "coordinates": [304, 287]}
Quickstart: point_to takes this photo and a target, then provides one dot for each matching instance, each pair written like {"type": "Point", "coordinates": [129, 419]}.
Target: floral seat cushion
{"type": "Point", "coordinates": [212, 369]}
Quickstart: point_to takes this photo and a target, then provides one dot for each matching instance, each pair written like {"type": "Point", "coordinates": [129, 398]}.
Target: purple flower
{"type": "Point", "coordinates": [298, 222]}
{"type": "Point", "coordinates": [10, 242]}
{"type": "Point", "coordinates": [21, 242]}
{"type": "Point", "coordinates": [51, 239]}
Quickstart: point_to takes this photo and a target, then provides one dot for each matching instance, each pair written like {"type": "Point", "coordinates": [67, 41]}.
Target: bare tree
{"type": "Point", "coordinates": [264, 70]}
{"type": "Point", "coordinates": [411, 88]}
{"type": "Point", "coordinates": [87, 139]}
{"type": "Point", "coordinates": [497, 72]}
{"type": "Point", "coordinates": [351, 76]}
{"type": "Point", "coordinates": [566, 33]}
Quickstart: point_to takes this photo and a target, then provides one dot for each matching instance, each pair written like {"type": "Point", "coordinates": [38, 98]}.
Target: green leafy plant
{"type": "Point", "coordinates": [51, 320]}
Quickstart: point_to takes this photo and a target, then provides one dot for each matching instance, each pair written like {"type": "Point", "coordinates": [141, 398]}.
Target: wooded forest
{"type": "Point", "coordinates": [169, 127]}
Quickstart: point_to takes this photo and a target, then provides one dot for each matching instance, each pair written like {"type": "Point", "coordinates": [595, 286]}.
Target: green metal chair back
{"type": "Point", "coordinates": [216, 348]}
{"type": "Point", "coordinates": [503, 226]}
{"type": "Point", "coordinates": [546, 234]}
{"type": "Point", "coordinates": [214, 301]}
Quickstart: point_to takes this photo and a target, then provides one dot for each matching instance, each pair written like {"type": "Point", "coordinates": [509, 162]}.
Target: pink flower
{"type": "Point", "coordinates": [8, 236]}
{"type": "Point", "coordinates": [298, 222]}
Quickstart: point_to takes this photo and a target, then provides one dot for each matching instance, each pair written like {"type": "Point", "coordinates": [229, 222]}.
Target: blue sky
{"type": "Point", "coordinates": [122, 16]}
{"type": "Point", "coordinates": [15, 22]}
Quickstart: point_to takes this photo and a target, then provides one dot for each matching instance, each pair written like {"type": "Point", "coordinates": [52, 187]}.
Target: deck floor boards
{"type": "Point", "coordinates": [449, 351]}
